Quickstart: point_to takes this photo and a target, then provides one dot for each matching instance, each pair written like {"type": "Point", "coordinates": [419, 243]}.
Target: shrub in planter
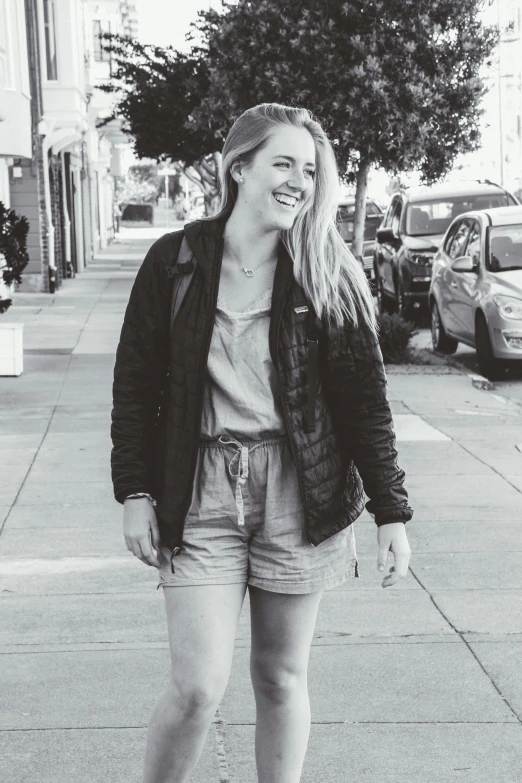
{"type": "Point", "coordinates": [13, 249]}
{"type": "Point", "coordinates": [13, 260]}
{"type": "Point", "coordinates": [395, 334]}
{"type": "Point", "coordinates": [138, 213]}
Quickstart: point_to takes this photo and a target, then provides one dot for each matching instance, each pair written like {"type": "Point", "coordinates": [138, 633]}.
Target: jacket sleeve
{"type": "Point", "coordinates": [139, 375]}
{"type": "Point", "coordinates": [356, 388]}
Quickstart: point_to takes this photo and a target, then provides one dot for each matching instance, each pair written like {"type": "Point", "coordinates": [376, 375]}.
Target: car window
{"type": "Point", "coordinates": [345, 211]}
{"type": "Point", "coordinates": [372, 208]}
{"type": "Point", "coordinates": [389, 212]}
{"type": "Point", "coordinates": [449, 238]}
{"type": "Point", "coordinates": [459, 240]}
{"type": "Point", "coordinates": [345, 219]}
{"type": "Point", "coordinates": [433, 216]}
{"type": "Point", "coordinates": [396, 217]}
{"type": "Point", "coordinates": [474, 242]}
{"type": "Point", "coordinates": [505, 248]}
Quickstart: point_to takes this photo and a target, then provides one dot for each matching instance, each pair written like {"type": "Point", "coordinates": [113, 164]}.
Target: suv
{"type": "Point", "coordinates": [374, 216]}
{"type": "Point", "coordinates": [412, 231]}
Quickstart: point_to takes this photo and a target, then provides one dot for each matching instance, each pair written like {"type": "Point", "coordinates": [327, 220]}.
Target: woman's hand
{"type": "Point", "coordinates": [140, 528]}
{"type": "Point", "coordinates": [393, 538]}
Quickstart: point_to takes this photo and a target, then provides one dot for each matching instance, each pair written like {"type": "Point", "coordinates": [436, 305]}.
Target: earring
{"type": "Point", "coordinates": [241, 180]}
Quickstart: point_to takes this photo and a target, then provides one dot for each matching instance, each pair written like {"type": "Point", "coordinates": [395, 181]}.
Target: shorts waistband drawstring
{"type": "Point", "coordinates": [241, 455]}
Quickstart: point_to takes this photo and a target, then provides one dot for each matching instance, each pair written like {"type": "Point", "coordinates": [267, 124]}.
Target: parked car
{"type": "Point", "coordinates": [374, 216]}
{"type": "Point", "coordinates": [475, 294]}
{"type": "Point", "coordinates": [411, 234]}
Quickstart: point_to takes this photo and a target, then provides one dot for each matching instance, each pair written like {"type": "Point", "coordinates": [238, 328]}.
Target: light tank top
{"type": "Point", "coordinates": [241, 396]}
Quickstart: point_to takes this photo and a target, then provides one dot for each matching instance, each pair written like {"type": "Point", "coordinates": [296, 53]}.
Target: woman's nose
{"type": "Point", "coordinates": [297, 180]}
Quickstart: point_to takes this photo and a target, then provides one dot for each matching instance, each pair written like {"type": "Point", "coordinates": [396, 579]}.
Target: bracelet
{"type": "Point", "coordinates": [143, 495]}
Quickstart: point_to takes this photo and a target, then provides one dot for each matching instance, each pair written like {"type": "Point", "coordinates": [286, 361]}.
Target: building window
{"type": "Point", "coordinates": [50, 39]}
{"type": "Point", "coordinates": [98, 29]}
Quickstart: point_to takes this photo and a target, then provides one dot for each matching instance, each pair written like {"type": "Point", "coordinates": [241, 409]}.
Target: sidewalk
{"type": "Point", "coordinates": [416, 684]}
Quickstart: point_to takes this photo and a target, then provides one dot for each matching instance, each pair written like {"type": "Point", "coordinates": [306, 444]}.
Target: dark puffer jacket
{"type": "Point", "coordinates": [347, 435]}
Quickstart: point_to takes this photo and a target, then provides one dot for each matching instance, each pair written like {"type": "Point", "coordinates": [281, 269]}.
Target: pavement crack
{"type": "Point", "coordinates": [220, 724]}
{"type": "Point", "coordinates": [221, 752]}
{"type": "Point", "coordinates": [468, 645]}
{"type": "Point", "coordinates": [395, 723]}
{"type": "Point", "coordinates": [479, 459]}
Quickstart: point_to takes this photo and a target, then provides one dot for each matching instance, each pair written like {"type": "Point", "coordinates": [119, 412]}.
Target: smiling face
{"type": "Point", "coordinates": [279, 180]}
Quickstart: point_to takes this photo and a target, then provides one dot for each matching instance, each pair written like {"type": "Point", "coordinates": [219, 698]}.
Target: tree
{"type": "Point", "coordinates": [395, 82]}
{"type": "Point", "coordinates": [157, 91]}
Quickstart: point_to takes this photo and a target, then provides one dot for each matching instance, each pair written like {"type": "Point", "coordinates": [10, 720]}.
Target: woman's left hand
{"type": "Point", "coordinates": [393, 538]}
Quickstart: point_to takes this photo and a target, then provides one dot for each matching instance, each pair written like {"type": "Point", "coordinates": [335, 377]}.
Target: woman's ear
{"type": "Point", "coordinates": [236, 171]}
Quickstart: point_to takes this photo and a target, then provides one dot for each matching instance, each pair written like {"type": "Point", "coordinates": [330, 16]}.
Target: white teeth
{"type": "Point", "coordinates": [287, 201]}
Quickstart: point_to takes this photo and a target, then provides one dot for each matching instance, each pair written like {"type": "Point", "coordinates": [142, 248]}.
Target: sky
{"type": "Point", "coordinates": [165, 22]}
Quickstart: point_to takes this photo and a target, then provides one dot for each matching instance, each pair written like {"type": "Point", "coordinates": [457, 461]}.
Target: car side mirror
{"type": "Point", "coordinates": [464, 264]}
{"type": "Point", "coordinates": [385, 235]}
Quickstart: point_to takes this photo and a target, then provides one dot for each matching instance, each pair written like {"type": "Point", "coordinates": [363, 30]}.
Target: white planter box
{"type": "Point", "coordinates": [11, 348]}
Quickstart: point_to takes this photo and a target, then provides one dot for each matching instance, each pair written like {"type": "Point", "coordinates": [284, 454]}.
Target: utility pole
{"type": "Point", "coordinates": [499, 82]}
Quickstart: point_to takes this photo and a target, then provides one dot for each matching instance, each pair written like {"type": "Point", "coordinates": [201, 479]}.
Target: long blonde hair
{"type": "Point", "coordinates": [331, 277]}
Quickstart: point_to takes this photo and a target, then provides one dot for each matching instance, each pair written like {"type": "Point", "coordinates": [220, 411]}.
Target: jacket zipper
{"type": "Point", "coordinates": [177, 549]}
{"type": "Point", "coordinates": [292, 448]}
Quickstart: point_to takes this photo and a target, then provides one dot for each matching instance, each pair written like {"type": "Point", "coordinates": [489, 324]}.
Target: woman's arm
{"type": "Point", "coordinates": [139, 373]}
{"type": "Point", "coordinates": [356, 388]}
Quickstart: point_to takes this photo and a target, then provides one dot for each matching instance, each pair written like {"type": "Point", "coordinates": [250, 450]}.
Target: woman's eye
{"type": "Point", "coordinates": [309, 172]}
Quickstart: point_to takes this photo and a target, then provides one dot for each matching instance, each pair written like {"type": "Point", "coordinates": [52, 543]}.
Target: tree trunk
{"type": "Point", "coordinates": [206, 178]}
{"type": "Point", "coordinates": [360, 209]}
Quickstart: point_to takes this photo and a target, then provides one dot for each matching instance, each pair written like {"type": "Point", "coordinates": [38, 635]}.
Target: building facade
{"type": "Point", "coordinates": [15, 96]}
{"type": "Point", "coordinates": [64, 181]}
{"type": "Point", "coordinates": [500, 156]}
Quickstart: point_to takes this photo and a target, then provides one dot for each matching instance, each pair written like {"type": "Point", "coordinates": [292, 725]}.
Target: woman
{"type": "Point", "coordinates": [240, 440]}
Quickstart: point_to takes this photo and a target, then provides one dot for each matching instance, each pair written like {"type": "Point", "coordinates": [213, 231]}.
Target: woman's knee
{"type": "Point", "coordinates": [196, 698]}
{"type": "Point", "coordinates": [277, 681]}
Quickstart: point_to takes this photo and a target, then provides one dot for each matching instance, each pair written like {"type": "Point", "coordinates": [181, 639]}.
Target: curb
{"type": "Point", "coordinates": [479, 382]}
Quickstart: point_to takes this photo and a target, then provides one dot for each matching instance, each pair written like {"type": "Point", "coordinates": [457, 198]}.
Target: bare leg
{"type": "Point", "coordinates": [202, 623]}
{"type": "Point", "coordinates": [282, 631]}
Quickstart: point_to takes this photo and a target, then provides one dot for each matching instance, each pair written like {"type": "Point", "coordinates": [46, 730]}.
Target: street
{"type": "Point", "coordinates": [420, 682]}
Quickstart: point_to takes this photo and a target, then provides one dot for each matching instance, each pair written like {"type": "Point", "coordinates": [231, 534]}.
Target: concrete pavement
{"type": "Point", "coordinates": [416, 683]}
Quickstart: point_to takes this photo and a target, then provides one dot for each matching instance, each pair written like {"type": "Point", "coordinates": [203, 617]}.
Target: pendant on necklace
{"type": "Point", "coordinates": [248, 272]}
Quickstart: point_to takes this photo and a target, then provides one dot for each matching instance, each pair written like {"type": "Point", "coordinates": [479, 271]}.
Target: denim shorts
{"type": "Point", "coordinates": [245, 525]}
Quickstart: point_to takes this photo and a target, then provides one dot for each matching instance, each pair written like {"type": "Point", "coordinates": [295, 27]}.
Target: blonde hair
{"type": "Point", "coordinates": [331, 277]}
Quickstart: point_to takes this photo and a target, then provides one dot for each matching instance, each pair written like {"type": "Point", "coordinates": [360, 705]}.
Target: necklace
{"type": "Point", "coordinates": [247, 270]}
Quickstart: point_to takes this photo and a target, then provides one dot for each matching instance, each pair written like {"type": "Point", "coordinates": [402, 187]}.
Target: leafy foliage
{"type": "Point", "coordinates": [395, 334]}
{"type": "Point", "coordinates": [13, 249]}
{"type": "Point", "coordinates": [157, 91]}
{"type": "Point", "coordinates": [395, 82]}
{"type": "Point", "coordinates": [143, 184]}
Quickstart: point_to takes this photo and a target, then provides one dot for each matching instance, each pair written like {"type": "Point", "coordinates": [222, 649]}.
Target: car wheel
{"type": "Point", "coordinates": [442, 342]}
{"type": "Point", "coordinates": [491, 367]}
